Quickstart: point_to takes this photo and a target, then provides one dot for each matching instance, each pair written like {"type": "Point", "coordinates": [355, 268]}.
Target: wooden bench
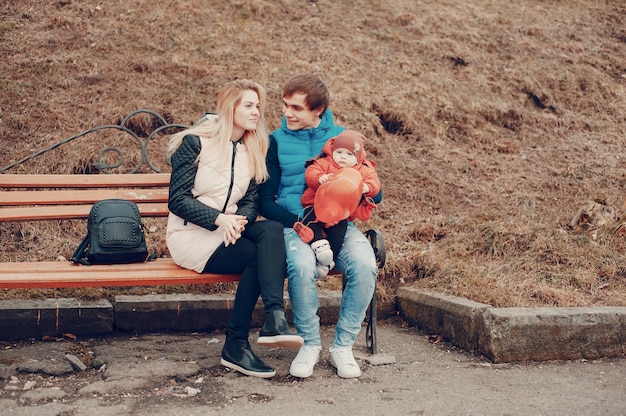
{"type": "Point", "coordinates": [69, 197]}
{"type": "Point", "coordinates": [36, 197]}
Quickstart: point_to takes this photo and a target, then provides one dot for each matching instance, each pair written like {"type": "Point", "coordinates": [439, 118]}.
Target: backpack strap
{"type": "Point", "coordinates": [80, 254]}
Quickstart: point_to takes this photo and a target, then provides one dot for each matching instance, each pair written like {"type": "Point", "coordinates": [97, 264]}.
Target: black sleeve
{"type": "Point", "coordinates": [181, 201]}
{"type": "Point", "coordinates": [247, 206]}
{"type": "Point", "coordinates": [268, 190]}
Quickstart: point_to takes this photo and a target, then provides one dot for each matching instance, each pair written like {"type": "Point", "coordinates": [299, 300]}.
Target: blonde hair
{"type": "Point", "coordinates": [220, 128]}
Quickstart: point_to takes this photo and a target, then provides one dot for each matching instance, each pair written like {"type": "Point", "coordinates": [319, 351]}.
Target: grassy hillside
{"type": "Point", "coordinates": [492, 122]}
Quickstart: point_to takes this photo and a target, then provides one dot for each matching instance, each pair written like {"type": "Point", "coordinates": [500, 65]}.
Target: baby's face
{"type": "Point", "coordinates": [344, 158]}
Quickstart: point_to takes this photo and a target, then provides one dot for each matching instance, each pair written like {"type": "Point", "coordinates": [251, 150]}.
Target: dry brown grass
{"type": "Point", "coordinates": [491, 122]}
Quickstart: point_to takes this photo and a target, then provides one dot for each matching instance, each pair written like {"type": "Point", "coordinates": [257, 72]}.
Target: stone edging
{"type": "Point", "coordinates": [500, 334]}
{"type": "Point", "coordinates": [517, 334]}
{"type": "Point", "coordinates": [25, 319]}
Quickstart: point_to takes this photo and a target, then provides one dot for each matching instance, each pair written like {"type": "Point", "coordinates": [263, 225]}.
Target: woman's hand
{"type": "Point", "coordinates": [232, 226]}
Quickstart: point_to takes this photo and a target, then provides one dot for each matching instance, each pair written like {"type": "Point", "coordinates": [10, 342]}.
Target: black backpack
{"type": "Point", "coordinates": [114, 235]}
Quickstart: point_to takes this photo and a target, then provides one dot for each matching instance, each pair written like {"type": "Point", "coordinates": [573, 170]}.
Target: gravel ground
{"type": "Point", "coordinates": [180, 374]}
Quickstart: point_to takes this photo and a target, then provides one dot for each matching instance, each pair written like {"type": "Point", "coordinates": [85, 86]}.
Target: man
{"type": "Point", "coordinates": [306, 126]}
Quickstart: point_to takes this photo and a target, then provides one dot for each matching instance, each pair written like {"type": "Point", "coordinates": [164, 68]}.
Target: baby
{"type": "Point", "coordinates": [346, 150]}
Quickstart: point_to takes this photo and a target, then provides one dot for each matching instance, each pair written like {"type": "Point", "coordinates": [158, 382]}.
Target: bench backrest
{"type": "Point", "coordinates": [51, 197]}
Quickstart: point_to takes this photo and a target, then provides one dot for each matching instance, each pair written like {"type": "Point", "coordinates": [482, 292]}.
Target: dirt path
{"type": "Point", "coordinates": [179, 374]}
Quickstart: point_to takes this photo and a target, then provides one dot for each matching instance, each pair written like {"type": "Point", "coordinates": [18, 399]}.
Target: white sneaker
{"type": "Point", "coordinates": [323, 253]}
{"type": "Point", "coordinates": [302, 365]}
{"type": "Point", "coordinates": [343, 360]}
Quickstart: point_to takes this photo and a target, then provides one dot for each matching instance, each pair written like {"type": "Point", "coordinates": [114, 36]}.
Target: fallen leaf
{"type": "Point", "coordinates": [48, 338]}
{"type": "Point", "coordinates": [434, 339]}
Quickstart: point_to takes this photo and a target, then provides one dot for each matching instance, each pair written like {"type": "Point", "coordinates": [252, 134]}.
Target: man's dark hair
{"type": "Point", "coordinates": [317, 96]}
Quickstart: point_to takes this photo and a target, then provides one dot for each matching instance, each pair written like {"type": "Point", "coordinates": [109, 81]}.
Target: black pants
{"type": "Point", "coordinates": [334, 234]}
{"type": "Point", "coordinates": [259, 255]}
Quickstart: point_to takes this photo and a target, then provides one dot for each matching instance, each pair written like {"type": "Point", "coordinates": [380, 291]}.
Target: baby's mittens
{"type": "Point", "coordinates": [365, 208]}
{"type": "Point", "coordinates": [305, 233]}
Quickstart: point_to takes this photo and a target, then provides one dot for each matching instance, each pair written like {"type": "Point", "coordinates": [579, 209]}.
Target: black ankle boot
{"type": "Point", "coordinates": [276, 332]}
{"type": "Point", "coordinates": [238, 355]}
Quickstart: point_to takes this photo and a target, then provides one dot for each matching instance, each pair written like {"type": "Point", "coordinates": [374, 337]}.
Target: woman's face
{"type": "Point", "coordinates": [247, 113]}
{"type": "Point", "coordinates": [297, 113]}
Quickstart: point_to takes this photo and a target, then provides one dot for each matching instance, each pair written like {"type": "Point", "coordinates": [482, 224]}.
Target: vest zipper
{"type": "Point", "coordinates": [232, 176]}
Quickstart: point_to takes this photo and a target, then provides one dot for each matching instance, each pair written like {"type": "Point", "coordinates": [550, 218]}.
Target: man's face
{"type": "Point", "coordinates": [297, 113]}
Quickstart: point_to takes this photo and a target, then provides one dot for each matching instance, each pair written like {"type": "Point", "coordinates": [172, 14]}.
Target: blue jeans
{"type": "Point", "coordinates": [356, 261]}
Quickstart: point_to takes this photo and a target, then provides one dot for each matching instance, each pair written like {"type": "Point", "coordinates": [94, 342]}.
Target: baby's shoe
{"type": "Point", "coordinates": [323, 253]}
{"type": "Point", "coordinates": [322, 271]}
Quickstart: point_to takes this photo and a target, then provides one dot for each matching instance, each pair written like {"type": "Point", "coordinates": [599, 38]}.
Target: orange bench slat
{"type": "Point", "coordinates": [82, 196]}
{"type": "Point", "coordinates": [84, 181]}
{"type": "Point", "coordinates": [164, 263]}
{"type": "Point", "coordinates": [58, 274]}
{"type": "Point", "coordinates": [70, 212]}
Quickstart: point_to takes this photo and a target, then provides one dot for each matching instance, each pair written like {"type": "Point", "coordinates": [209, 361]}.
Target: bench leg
{"type": "Point", "coordinates": [370, 331]}
{"type": "Point", "coordinates": [377, 241]}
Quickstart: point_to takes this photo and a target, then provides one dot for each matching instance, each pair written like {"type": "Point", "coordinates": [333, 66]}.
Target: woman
{"type": "Point", "coordinates": [216, 166]}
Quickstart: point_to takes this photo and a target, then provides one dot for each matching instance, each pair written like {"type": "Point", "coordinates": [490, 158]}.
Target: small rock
{"type": "Point", "coordinates": [48, 367]}
{"type": "Point", "coordinates": [44, 394]}
{"type": "Point", "coordinates": [78, 364]}
{"type": "Point", "coordinates": [380, 359]}
{"type": "Point", "coordinates": [191, 391]}
{"type": "Point", "coordinates": [29, 385]}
